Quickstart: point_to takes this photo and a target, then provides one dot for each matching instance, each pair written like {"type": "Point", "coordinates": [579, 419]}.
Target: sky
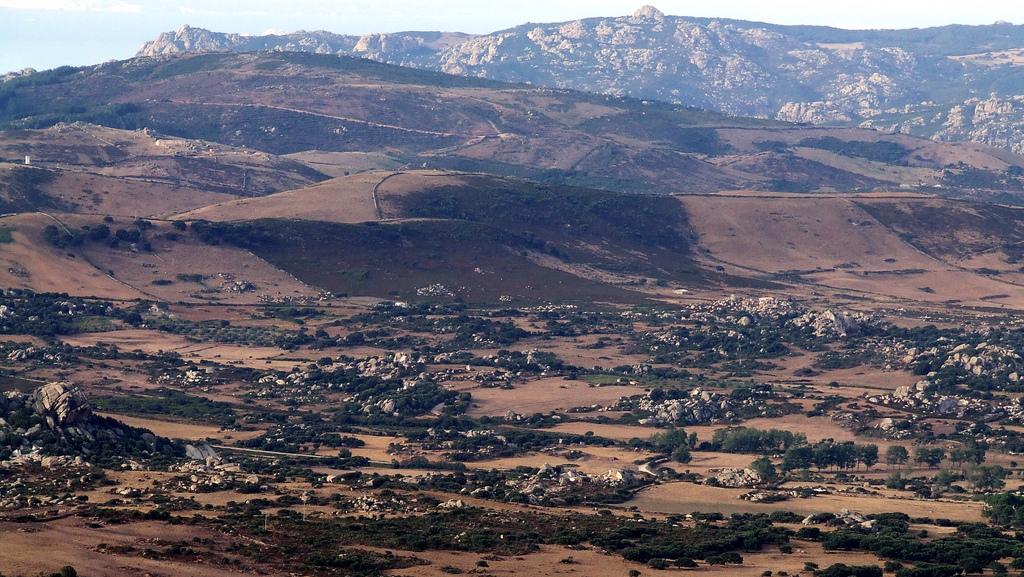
{"type": "Point", "coordinates": [47, 33]}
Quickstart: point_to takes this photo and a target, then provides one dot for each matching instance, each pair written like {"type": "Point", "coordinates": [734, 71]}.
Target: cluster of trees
{"type": "Point", "coordinates": [987, 477]}
{"type": "Point", "coordinates": [50, 314]}
{"type": "Point", "coordinates": [970, 453]}
{"type": "Point", "coordinates": [829, 454]}
{"type": "Point", "coordinates": [61, 237]}
{"type": "Point", "coordinates": [798, 454]}
{"type": "Point", "coordinates": [505, 443]}
{"type": "Point", "coordinates": [713, 346]}
{"type": "Point", "coordinates": [750, 440]}
{"type": "Point", "coordinates": [482, 531]}
{"type": "Point", "coordinates": [1006, 509]}
{"type": "Point", "coordinates": [983, 478]}
{"type": "Point", "coordinates": [963, 176]}
{"type": "Point", "coordinates": [468, 331]}
{"type": "Point", "coordinates": [242, 235]}
{"type": "Point", "coordinates": [408, 402]}
{"type": "Point", "coordinates": [674, 442]}
{"type": "Point", "coordinates": [535, 361]}
{"type": "Point", "coordinates": [223, 331]}
{"type": "Point", "coordinates": [168, 402]}
{"type": "Point", "coordinates": [843, 570]}
{"type": "Point", "coordinates": [972, 549]}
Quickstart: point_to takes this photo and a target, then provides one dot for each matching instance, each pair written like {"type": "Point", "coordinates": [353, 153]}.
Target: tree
{"type": "Point", "coordinates": [764, 467]}
{"type": "Point", "coordinates": [971, 565]}
{"type": "Point", "coordinates": [847, 455]}
{"type": "Point", "coordinates": [943, 481]}
{"type": "Point", "coordinates": [968, 453]}
{"type": "Point", "coordinates": [750, 440]}
{"type": "Point", "coordinates": [842, 570]}
{"type": "Point", "coordinates": [668, 441]}
{"type": "Point", "coordinates": [988, 478]}
{"type": "Point", "coordinates": [100, 232]}
{"type": "Point", "coordinates": [1005, 509]}
{"type": "Point", "coordinates": [868, 454]}
{"type": "Point", "coordinates": [798, 458]}
{"type": "Point", "coordinates": [682, 454]}
{"type": "Point", "coordinates": [928, 456]}
{"type": "Point", "coordinates": [823, 455]}
{"type": "Point", "coordinates": [896, 481]}
{"type": "Point", "coordinates": [896, 455]}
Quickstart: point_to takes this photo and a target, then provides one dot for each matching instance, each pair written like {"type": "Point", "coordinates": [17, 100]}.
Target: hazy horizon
{"type": "Point", "coordinates": [47, 33]}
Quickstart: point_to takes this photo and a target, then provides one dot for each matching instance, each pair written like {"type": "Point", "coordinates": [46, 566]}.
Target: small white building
{"type": "Point", "coordinates": [28, 160]}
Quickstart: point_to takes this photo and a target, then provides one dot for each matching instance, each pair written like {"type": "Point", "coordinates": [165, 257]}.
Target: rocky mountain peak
{"type": "Point", "coordinates": [190, 39]}
{"type": "Point", "coordinates": [649, 12]}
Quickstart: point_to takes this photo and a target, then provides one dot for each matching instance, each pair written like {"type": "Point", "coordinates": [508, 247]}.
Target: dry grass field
{"type": "Point", "coordinates": [184, 430]}
{"type": "Point", "coordinates": [156, 342]}
{"type": "Point", "coordinates": [797, 234]}
{"type": "Point", "coordinates": [544, 395]}
{"type": "Point", "coordinates": [72, 542]}
{"type": "Point", "coordinates": [688, 498]}
{"type": "Point", "coordinates": [29, 262]}
{"type": "Point", "coordinates": [344, 199]}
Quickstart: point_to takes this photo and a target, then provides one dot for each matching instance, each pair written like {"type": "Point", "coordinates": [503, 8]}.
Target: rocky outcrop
{"type": "Point", "coordinates": [202, 452]}
{"type": "Point", "coordinates": [831, 323]}
{"type": "Point", "coordinates": [191, 39]}
{"type": "Point", "coordinates": [61, 404]}
{"type": "Point", "coordinates": [824, 323]}
{"type": "Point", "coordinates": [699, 407]}
{"type": "Point", "coordinates": [551, 483]}
{"type": "Point", "coordinates": [922, 399]}
{"type": "Point", "coordinates": [845, 518]}
{"type": "Point", "coordinates": [17, 74]}
{"type": "Point", "coordinates": [55, 420]}
{"type": "Point", "coordinates": [735, 478]}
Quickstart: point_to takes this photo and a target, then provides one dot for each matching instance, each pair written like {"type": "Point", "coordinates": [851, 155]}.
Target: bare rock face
{"type": "Point", "coordinates": [833, 323]}
{"type": "Point", "coordinates": [17, 74]}
{"type": "Point", "coordinates": [813, 113]}
{"type": "Point", "coordinates": [61, 403]}
{"type": "Point", "coordinates": [649, 12]}
{"type": "Point", "coordinates": [201, 452]}
{"type": "Point", "coordinates": [735, 477]}
{"type": "Point", "coordinates": [189, 39]}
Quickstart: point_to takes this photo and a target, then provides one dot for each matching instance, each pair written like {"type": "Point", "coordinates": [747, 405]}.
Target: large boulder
{"type": "Point", "coordinates": [62, 404]}
{"type": "Point", "coordinates": [736, 477]}
{"type": "Point", "coordinates": [831, 323]}
{"type": "Point", "coordinates": [203, 452]}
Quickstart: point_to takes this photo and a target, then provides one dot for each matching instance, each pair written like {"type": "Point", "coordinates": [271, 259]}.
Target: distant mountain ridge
{"type": "Point", "coordinates": [948, 83]}
{"type": "Point", "coordinates": [406, 46]}
{"type": "Point", "coordinates": [286, 103]}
